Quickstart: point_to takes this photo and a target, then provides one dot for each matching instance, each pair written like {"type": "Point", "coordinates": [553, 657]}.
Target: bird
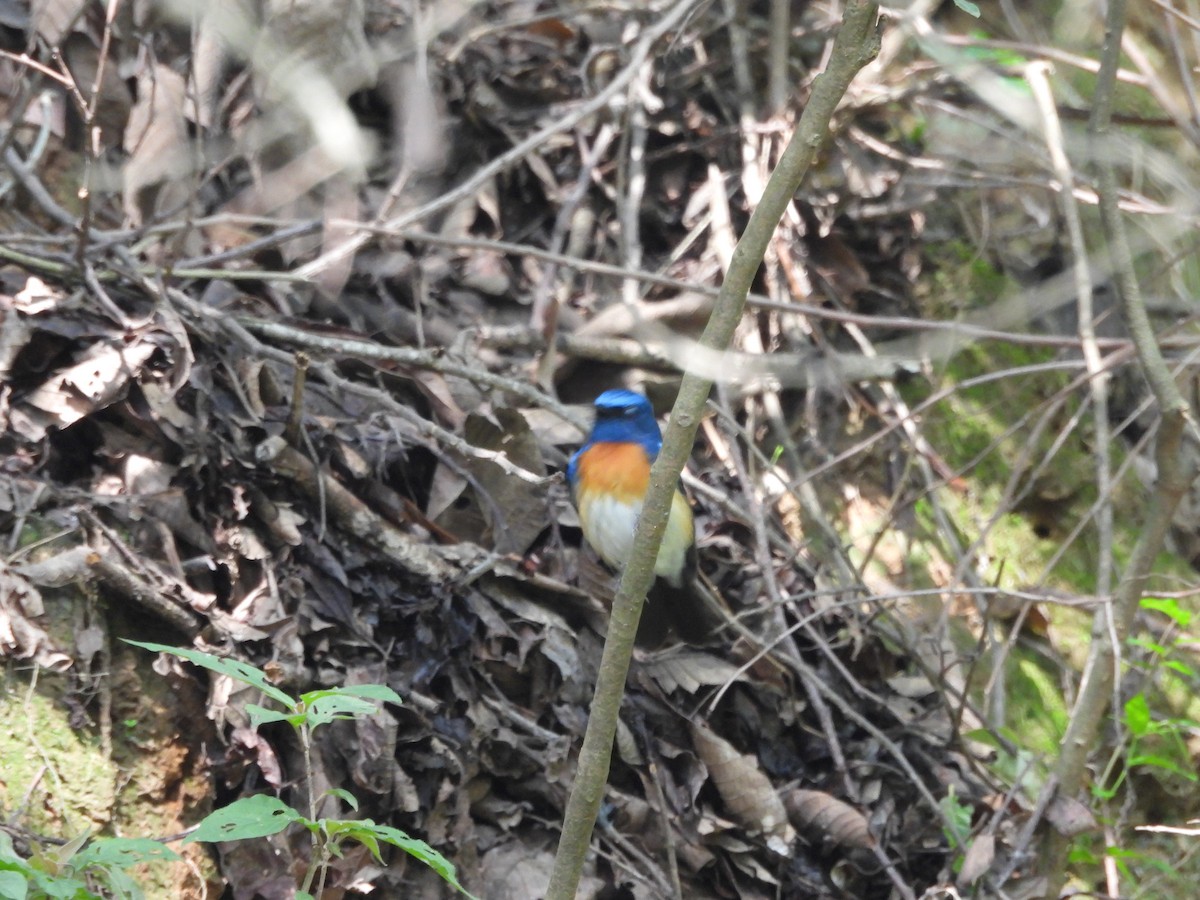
{"type": "Point", "coordinates": [609, 475]}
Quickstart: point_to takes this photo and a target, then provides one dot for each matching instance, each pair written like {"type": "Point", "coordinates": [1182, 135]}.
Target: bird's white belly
{"type": "Point", "coordinates": [608, 524]}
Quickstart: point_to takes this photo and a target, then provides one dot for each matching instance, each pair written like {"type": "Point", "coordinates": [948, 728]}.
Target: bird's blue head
{"type": "Point", "coordinates": [625, 417]}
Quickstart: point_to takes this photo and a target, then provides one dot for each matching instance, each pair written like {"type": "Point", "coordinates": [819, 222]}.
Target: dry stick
{"type": "Point", "coordinates": [1036, 75]}
{"type": "Point", "coordinates": [544, 311]}
{"type": "Point", "coordinates": [1175, 461]}
{"type": "Point", "coordinates": [295, 419]}
{"type": "Point", "coordinates": [777, 56]}
{"type": "Point", "coordinates": [722, 228]}
{"type": "Point", "coordinates": [424, 428]}
{"type": "Point", "coordinates": [855, 45]}
{"type": "Point", "coordinates": [762, 557]}
{"type": "Point", "coordinates": [638, 100]}
{"type": "Point", "coordinates": [434, 360]}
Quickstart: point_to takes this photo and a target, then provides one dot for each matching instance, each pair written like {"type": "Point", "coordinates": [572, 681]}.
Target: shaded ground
{"type": "Point", "coordinates": [352, 478]}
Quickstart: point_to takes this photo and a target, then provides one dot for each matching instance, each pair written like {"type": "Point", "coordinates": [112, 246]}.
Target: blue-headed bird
{"type": "Point", "coordinates": [609, 476]}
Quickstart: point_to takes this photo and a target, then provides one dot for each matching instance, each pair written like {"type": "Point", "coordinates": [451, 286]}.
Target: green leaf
{"type": "Point", "coordinates": [422, 851]}
{"type": "Point", "coordinates": [983, 736]}
{"type": "Point", "coordinates": [1181, 668]}
{"type": "Point", "coordinates": [361, 830]}
{"type": "Point", "coordinates": [61, 887]}
{"type": "Point", "coordinates": [380, 692]}
{"type": "Point", "coordinates": [327, 705]}
{"type": "Point", "coordinates": [345, 796]}
{"type": "Point", "coordinates": [121, 884]}
{"type": "Point", "coordinates": [260, 715]}
{"type": "Point", "coordinates": [234, 668]}
{"type": "Point", "coordinates": [958, 814]}
{"type": "Point", "coordinates": [968, 7]}
{"type": "Point", "coordinates": [13, 885]}
{"type": "Point", "coordinates": [1146, 644]}
{"type": "Point", "coordinates": [1170, 607]}
{"type": "Point", "coordinates": [1137, 715]}
{"type": "Point", "coordinates": [123, 853]}
{"type": "Point", "coordinates": [246, 817]}
{"type": "Point", "coordinates": [1161, 762]}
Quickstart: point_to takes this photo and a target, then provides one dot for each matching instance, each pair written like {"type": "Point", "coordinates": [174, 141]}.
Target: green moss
{"type": "Point", "coordinates": [962, 279]}
{"type": "Point", "coordinates": [56, 778]}
{"type": "Point", "coordinates": [1038, 713]}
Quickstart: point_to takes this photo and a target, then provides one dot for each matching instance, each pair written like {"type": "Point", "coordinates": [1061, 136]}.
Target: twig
{"type": "Point", "coordinates": [295, 419]}
{"type": "Point", "coordinates": [434, 360]}
{"type": "Point", "coordinates": [780, 42]}
{"type": "Point", "coordinates": [762, 557]}
{"type": "Point", "coordinates": [629, 201]}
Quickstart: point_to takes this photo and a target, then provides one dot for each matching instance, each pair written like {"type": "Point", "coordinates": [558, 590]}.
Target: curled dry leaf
{"type": "Point", "coordinates": [1070, 817]}
{"type": "Point", "coordinates": [748, 793]}
{"type": "Point", "coordinates": [158, 146]}
{"type": "Point", "coordinates": [20, 637]}
{"type": "Point", "coordinates": [96, 381]}
{"type": "Point", "coordinates": [689, 670]}
{"type": "Point", "coordinates": [823, 818]}
{"type": "Point", "coordinates": [978, 860]}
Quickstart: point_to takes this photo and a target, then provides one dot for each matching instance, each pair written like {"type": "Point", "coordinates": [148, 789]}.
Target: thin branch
{"type": "Point", "coordinates": [855, 45]}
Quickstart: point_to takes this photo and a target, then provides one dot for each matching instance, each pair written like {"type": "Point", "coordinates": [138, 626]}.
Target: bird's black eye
{"type": "Point", "coordinates": [629, 412]}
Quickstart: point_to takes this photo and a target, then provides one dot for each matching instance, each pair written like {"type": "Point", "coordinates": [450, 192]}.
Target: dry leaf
{"type": "Point", "coordinates": [52, 20]}
{"type": "Point", "coordinates": [977, 860]}
{"type": "Point", "coordinates": [96, 381]}
{"type": "Point", "coordinates": [689, 670]}
{"type": "Point", "coordinates": [157, 141]}
{"type": "Point", "coordinates": [1069, 817]}
{"type": "Point", "coordinates": [746, 790]}
{"type": "Point", "coordinates": [20, 637]}
{"type": "Point", "coordinates": [825, 819]}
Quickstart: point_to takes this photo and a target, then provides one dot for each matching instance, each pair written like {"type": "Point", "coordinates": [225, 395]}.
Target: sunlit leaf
{"type": "Point", "coordinates": [247, 817]}
{"type": "Point", "coordinates": [1137, 715]}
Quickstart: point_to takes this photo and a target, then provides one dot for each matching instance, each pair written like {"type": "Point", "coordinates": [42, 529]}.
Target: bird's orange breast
{"type": "Point", "coordinates": [621, 471]}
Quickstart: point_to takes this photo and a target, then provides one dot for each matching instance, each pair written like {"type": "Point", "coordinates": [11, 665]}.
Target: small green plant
{"type": "Point", "coordinates": [79, 869]}
{"type": "Point", "coordinates": [262, 815]}
{"type": "Point", "coordinates": [957, 816]}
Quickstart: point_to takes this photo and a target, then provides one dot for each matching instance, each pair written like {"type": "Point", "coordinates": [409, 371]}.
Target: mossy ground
{"type": "Point", "coordinates": [63, 774]}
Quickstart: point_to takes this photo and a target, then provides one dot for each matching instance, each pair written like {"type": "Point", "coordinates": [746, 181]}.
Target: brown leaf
{"type": "Point", "coordinates": [825, 819]}
{"type": "Point", "coordinates": [516, 871]}
{"type": "Point", "coordinates": [96, 381]}
{"type": "Point", "coordinates": [20, 637]}
{"type": "Point", "coordinates": [158, 146]}
{"type": "Point", "coordinates": [1070, 817]}
{"type": "Point", "coordinates": [508, 513]}
{"type": "Point", "coordinates": [977, 861]}
{"type": "Point", "coordinates": [748, 793]}
{"type": "Point", "coordinates": [52, 20]}
{"type": "Point", "coordinates": [689, 670]}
